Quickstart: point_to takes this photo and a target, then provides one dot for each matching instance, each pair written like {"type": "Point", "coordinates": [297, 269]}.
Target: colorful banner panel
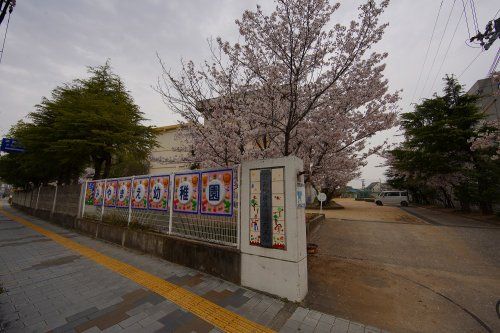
{"type": "Point", "coordinates": [140, 191]}
{"type": "Point", "coordinates": [159, 192]}
{"type": "Point", "coordinates": [89, 193]}
{"type": "Point", "coordinates": [110, 194]}
{"type": "Point", "coordinates": [186, 192]}
{"type": "Point", "coordinates": [123, 198]}
{"type": "Point", "coordinates": [217, 192]}
{"type": "Point", "coordinates": [267, 208]}
{"type": "Point", "coordinates": [98, 192]}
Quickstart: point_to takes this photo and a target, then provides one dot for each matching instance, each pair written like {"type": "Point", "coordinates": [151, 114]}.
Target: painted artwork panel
{"type": "Point", "coordinates": [110, 193]}
{"type": "Point", "coordinates": [278, 189]}
{"type": "Point", "coordinates": [123, 193]}
{"type": "Point", "coordinates": [217, 192]}
{"type": "Point", "coordinates": [186, 192]}
{"type": "Point", "coordinates": [89, 193]}
{"type": "Point", "coordinates": [254, 207]}
{"type": "Point", "coordinates": [140, 190]}
{"type": "Point", "coordinates": [159, 192]}
{"type": "Point", "coordinates": [277, 207]}
{"type": "Point", "coordinates": [98, 193]}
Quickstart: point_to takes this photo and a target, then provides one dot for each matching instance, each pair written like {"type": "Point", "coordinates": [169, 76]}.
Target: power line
{"type": "Point", "coordinates": [495, 62]}
{"type": "Point", "coordinates": [498, 11]}
{"type": "Point", "coordinates": [427, 52]}
{"type": "Point", "coordinates": [4, 38]}
{"type": "Point", "coordinates": [474, 14]}
{"type": "Point", "coordinates": [439, 46]}
{"type": "Point", "coordinates": [447, 50]}
{"type": "Point", "coordinates": [470, 64]}
{"type": "Point", "coordinates": [465, 13]}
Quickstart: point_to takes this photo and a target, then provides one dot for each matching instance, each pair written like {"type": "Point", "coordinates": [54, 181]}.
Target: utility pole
{"type": "Point", "coordinates": [6, 5]}
{"type": "Point", "coordinates": [491, 34]}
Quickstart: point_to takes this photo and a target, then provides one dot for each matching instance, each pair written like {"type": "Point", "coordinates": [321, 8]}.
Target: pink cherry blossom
{"type": "Point", "coordinates": [295, 84]}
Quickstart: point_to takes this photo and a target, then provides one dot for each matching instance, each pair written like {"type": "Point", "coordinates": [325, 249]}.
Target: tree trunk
{"type": "Point", "coordinates": [97, 168]}
{"type": "Point", "coordinates": [486, 207]}
{"type": "Point", "coordinates": [465, 206]}
{"type": "Point", "coordinates": [330, 194]}
{"type": "Point", "coordinates": [447, 200]}
{"type": "Point", "coordinates": [107, 166]}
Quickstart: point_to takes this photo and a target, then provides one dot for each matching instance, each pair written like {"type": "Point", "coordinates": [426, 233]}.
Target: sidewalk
{"type": "Point", "coordinates": [88, 285]}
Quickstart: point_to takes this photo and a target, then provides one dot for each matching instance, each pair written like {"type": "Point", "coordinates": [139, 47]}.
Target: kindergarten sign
{"type": "Point", "coordinates": [186, 192]}
{"type": "Point", "coordinates": [140, 188]}
{"type": "Point", "coordinates": [98, 192]}
{"type": "Point", "coordinates": [89, 193]}
{"type": "Point", "coordinates": [123, 197]}
{"type": "Point", "coordinates": [159, 192]}
{"type": "Point", "coordinates": [217, 192]}
{"type": "Point", "coordinates": [110, 194]}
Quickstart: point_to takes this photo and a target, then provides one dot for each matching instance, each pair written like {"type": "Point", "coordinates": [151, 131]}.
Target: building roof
{"type": "Point", "coordinates": [167, 128]}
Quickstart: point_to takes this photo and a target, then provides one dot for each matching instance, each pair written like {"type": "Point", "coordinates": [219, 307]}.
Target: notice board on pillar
{"type": "Point", "coordinates": [267, 208]}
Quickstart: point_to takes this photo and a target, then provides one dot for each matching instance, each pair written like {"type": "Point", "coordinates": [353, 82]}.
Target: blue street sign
{"type": "Point", "coordinates": [11, 146]}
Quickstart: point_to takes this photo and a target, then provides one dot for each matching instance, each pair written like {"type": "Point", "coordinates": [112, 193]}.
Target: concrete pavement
{"type": "Point", "coordinates": [57, 280]}
{"type": "Point", "coordinates": [409, 277]}
{"type": "Point", "coordinates": [368, 211]}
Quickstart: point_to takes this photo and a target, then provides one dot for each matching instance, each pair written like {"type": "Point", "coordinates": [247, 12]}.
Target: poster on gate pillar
{"type": "Point", "coordinates": [217, 192]}
{"type": "Point", "coordinates": [159, 192]}
{"type": "Point", "coordinates": [139, 195]}
{"type": "Point", "coordinates": [123, 193]}
{"type": "Point", "coordinates": [186, 192]}
{"type": "Point", "coordinates": [267, 208]}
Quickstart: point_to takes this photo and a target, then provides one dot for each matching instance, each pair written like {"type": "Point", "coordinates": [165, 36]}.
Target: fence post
{"type": "Point", "coordinates": [238, 221]}
{"type": "Point", "coordinates": [171, 202]}
{"type": "Point", "coordinates": [103, 196]}
{"type": "Point", "coordinates": [38, 197]}
{"type": "Point", "coordinates": [130, 201]}
{"type": "Point", "coordinates": [31, 199]}
{"type": "Point", "coordinates": [83, 194]}
{"type": "Point", "coordinates": [54, 202]}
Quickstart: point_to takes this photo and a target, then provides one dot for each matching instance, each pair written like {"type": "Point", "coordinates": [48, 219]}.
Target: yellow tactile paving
{"type": "Point", "coordinates": [212, 313]}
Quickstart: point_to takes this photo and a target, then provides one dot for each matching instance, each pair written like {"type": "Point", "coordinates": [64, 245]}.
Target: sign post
{"type": "Point", "coordinates": [11, 146]}
{"type": "Point", "coordinates": [321, 198]}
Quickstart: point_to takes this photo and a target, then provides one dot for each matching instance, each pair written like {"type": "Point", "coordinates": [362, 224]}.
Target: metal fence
{"type": "Point", "coordinates": [73, 200]}
{"type": "Point", "coordinates": [53, 199]}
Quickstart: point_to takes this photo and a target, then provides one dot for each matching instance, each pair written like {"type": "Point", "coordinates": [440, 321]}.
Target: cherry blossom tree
{"type": "Point", "coordinates": [297, 84]}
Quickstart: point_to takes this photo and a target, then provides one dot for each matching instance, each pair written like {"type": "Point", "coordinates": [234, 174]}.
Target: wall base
{"type": "Point", "coordinates": [278, 277]}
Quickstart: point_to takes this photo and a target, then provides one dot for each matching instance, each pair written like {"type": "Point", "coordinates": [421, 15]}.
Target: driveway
{"type": "Point", "coordinates": [440, 273]}
{"type": "Point", "coordinates": [369, 211]}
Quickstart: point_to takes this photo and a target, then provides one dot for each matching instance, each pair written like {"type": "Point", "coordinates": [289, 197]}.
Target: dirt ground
{"type": "Point", "coordinates": [407, 276]}
{"type": "Point", "coordinates": [368, 211]}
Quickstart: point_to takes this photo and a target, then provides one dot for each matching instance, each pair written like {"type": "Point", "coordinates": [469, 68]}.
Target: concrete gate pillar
{"type": "Point", "coordinates": [273, 228]}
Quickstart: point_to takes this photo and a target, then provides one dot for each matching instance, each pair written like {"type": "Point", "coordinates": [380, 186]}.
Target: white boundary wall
{"type": "Point", "coordinates": [276, 271]}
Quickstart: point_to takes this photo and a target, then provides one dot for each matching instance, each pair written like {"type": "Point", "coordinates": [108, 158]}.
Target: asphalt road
{"type": "Point", "coordinates": [442, 275]}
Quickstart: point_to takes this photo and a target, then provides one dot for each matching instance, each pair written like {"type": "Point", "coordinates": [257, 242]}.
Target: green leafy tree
{"type": "Point", "coordinates": [438, 158]}
{"type": "Point", "coordinates": [89, 122]}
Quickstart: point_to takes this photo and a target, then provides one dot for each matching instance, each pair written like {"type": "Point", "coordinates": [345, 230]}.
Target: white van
{"type": "Point", "coordinates": [392, 198]}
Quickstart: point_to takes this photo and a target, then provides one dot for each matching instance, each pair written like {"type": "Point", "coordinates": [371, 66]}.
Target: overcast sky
{"type": "Point", "coordinates": [50, 42]}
